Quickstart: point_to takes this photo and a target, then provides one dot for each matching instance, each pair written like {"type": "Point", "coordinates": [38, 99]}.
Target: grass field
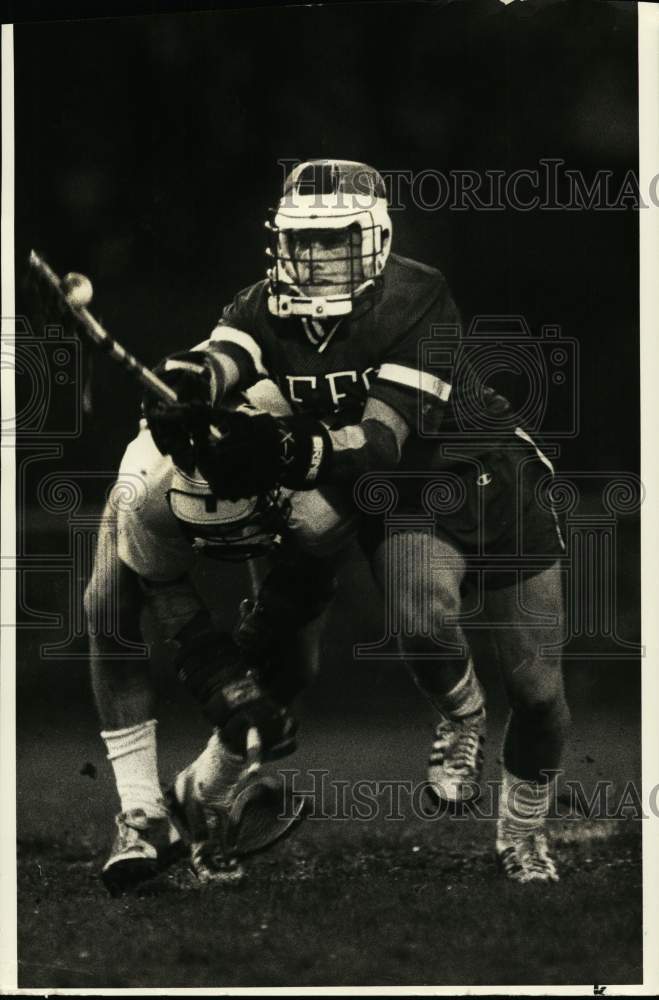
{"type": "Point", "coordinates": [380, 902]}
{"type": "Point", "coordinates": [384, 902]}
{"type": "Point", "coordinates": [344, 907]}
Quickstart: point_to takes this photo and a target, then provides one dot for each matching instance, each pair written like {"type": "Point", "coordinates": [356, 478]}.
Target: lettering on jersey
{"type": "Point", "coordinates": [331, 378]}
{"type": "Point", "coordinates": [303, 388]}
{"type": "Point", "coordinates": [292, 383]}
{"type": "Point", "coordinates": [365, 378]}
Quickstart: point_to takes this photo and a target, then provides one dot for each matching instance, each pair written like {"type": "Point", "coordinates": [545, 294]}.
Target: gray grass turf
{"type": "Point", "coordinates": [384, 902]}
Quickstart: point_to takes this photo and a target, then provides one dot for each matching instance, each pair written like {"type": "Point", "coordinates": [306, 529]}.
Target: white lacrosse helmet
{"type": "Point", "coordinates": [323, 201]}
{"type": "Point", "coordinates": [232, 530]}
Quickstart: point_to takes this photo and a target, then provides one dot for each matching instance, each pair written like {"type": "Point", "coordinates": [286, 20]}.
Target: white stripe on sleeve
{"type": "Point", "coordinates": [230, 335]}
{"type": "Point", "coordinates": [416, 379]}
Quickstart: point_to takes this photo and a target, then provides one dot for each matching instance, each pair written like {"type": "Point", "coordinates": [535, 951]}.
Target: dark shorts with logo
{"type": "Point", "coordinates": [492, 503]}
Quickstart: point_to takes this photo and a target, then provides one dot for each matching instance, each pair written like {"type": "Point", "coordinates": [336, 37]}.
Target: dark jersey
{"type": "Point", "coordinates": [406, 350]}
{"type": "Point", "coordinates": [398, 350]}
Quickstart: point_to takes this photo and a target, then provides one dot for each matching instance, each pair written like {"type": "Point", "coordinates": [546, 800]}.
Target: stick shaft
{"type": "Point", "coordinates": [102, 338]}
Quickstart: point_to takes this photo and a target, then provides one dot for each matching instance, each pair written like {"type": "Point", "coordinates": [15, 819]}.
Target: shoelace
{"type": "Point", "coordinates": [136, 820]}
{"type": "Point", "coordinates": [540, 860]}
{"type": "Point", "coordinates": [131, 829]}
{"type": "Point", "coordinates": [529, 855]}
{"type": "Point", "coordinates": [464, 739]}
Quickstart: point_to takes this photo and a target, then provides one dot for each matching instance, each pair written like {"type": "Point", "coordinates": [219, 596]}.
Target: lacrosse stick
{"type": "Point", "coordinates": [75, 292]}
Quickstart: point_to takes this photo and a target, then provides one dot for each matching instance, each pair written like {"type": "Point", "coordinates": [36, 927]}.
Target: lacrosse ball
{"type": "Point", "coordinates": [77, 290]}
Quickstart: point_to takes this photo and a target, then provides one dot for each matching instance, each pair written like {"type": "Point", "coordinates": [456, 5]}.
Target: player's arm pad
{"type": "Point", "coordinates": [362, 448]}
{"type": "Point", "coordinates": [318, 455]}
{"type": "Point", "coordinates": [375, 444]}
{"type": "Point", "coordinates": [229, 690]}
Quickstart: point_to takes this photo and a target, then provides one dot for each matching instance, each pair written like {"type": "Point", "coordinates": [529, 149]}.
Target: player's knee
{"type": "Point", "coordinates": [428, 606]}
{"type": "Point", "coordinates": [543, 707]}
{"type": "Point", "coordinates": [445, 597]}
{"type": "Point", "coordinates": [318, 539]}
{"type": "Point", "coordinates": [321, 522]}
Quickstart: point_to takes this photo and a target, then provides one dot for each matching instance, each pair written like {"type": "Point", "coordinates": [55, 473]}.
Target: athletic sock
{"type": "Point", "coordinates": [523, 806]}
{"type": "Point", "coordinates": [466, 698]}
{"type": "Point", "coordinates": [133, 755]}
{"type": "Point", "coordinates": [215, 771]}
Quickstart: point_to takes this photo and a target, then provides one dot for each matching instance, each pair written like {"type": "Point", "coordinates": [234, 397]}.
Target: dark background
{"type": "Point", "coordinates": [146, 157]}
{"type": "Point", "coordinates": [148, 148]}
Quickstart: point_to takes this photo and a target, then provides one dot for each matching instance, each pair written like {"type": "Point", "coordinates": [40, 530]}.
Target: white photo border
{"type": "Point", "coordinates": [648, 56]}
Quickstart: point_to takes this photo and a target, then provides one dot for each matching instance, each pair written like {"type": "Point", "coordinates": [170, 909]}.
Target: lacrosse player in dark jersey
{"type": "Point", "coordinates": [339, 326]}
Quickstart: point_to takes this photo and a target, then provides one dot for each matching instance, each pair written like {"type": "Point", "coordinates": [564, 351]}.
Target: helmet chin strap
{"type": "Point", "coordinates": [296, 303]}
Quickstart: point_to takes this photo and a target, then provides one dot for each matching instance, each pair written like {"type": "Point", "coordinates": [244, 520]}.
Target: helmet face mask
{"type": "Point", "coordinates": [239, 531]}
{"type": "Point", "coordinates": [228, 530]}
{"type": "Point", "coordinates": [329, 239]}
{"type": "Point", "coordinates": [323, 262]}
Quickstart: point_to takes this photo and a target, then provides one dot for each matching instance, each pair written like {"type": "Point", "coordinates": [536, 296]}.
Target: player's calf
{"type": "Point", "coordinates": [538, 724]}
{"type": "Point", "coordinates": [244, 683]}
{"type": "Point", "coordinates": [532, 748]}
{"type": "Point", "coordinates": [429, 592]}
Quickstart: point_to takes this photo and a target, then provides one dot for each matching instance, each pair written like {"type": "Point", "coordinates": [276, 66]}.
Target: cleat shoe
{"type": "Point", "coordinates": [204, 825]}
{"type": "Point", "coordinates": [142, 848]}
{"type": "Point", "coordinates": [525, 857]}
{"type": "Point", "coordinates": [456, 758]}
